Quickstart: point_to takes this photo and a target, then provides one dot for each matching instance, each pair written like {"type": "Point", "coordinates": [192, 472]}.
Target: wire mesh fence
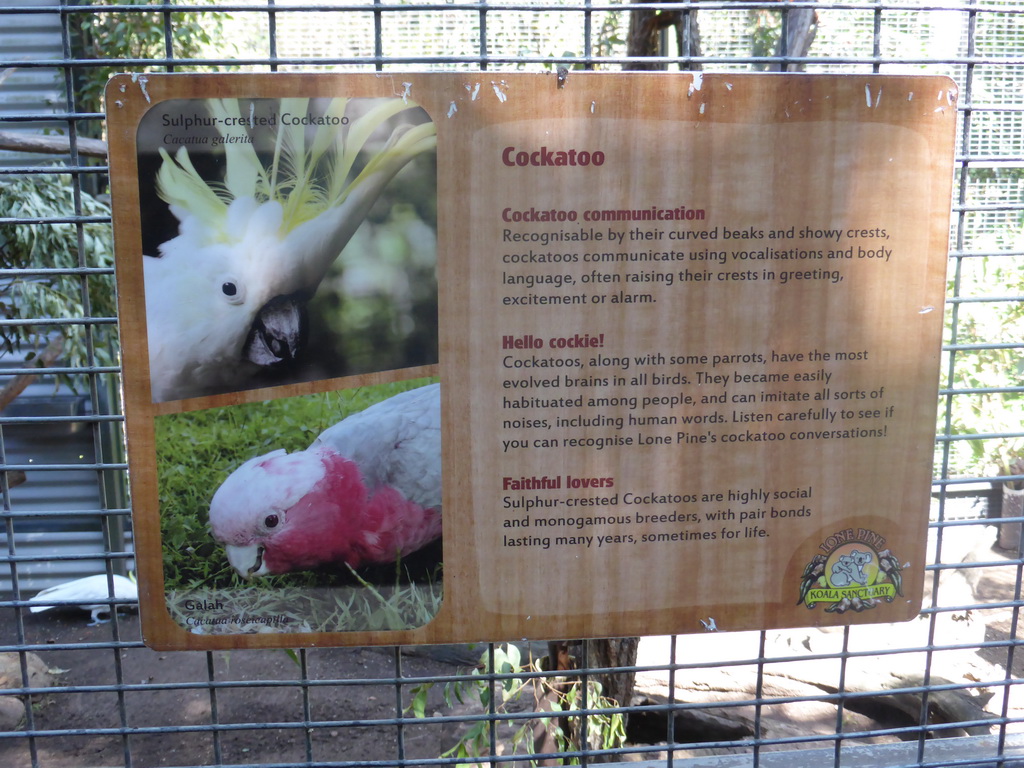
{"type": "Point", "coordinates": [942, 690]}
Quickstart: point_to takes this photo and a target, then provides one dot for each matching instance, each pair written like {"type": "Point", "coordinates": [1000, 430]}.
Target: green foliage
{"type": "Point", "coordinates": [610, 35]}
{"type": "Point", "coordinates": [993, 368]}
{"type": "Point", "coordinates": [31, 247]}
{"type": "Point", "coordinates": [987, 326]}
{"type": "Point", "coordinates": [131, 34]}
{"type": "Point", "coordinates": [376, 308]}
{"type": "Point", "coordinates": [334, 608]}
{"type": "Point", "coordinates": [765, 29]}
{"type": "Point", "coordinates": [557, 695]}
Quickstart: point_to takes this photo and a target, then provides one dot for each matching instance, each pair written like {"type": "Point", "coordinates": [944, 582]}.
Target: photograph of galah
{"type": "Point", "coordinates": [286, 240]}
{"type": "Point", "coordinates": [317, 513]}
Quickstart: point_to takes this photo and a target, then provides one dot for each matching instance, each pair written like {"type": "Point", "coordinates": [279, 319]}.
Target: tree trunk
{"type": "Point", "coordinates": [617, 686]}
{"type": "Point", "coordinates": [799, 29]}
{"type": "Point", "coordinates": [616, 652]}
{"type": "Point", "coordinates": [644, 37]}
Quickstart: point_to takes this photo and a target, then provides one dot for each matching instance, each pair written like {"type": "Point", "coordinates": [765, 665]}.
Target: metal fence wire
{"type": "Point", "coordinates": [943, 690]}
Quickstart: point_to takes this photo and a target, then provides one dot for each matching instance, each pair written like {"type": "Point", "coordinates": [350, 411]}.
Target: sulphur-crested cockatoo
{"type": "Point", "coordinates": [225, 297]}
{"type": "Point", "coordinates": [84, 593]}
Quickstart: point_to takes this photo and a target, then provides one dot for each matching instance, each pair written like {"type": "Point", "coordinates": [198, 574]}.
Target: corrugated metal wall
{"type": "Point", "coordinates": [27, 93]}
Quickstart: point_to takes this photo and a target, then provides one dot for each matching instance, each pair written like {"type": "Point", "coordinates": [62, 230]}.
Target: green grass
{"type": "Point", "coordinates": [196, 451]}
{"type": "Point", "coordinates": [253, 608]}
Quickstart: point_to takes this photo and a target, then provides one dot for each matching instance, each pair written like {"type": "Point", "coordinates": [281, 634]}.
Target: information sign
{"type": "Point", "coordinates": [420, 358]}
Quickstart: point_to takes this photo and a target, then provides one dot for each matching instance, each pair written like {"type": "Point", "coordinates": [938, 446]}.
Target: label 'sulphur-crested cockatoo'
{"type": "Point", "coordinates": [368, 490]}
{"type": "Point", "coordinates": [225, 297]}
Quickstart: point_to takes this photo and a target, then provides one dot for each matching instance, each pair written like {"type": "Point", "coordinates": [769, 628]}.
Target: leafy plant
{"type": "Point", "coordinates": [609, 37]}
{"type": "Point", "coordinates": [28, 292]}
{"type": "Point", "coordinates": [557, 695]}
{"type": "Point", "coordinates": [990, 369]}
{"type": "Point", "coordinates": [114, 35]}
{"type": "Point", "coordinates": [765, 29]}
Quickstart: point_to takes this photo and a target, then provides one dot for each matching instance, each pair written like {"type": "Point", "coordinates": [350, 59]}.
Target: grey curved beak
{"type": "Point", "coordinates": [278, 334]}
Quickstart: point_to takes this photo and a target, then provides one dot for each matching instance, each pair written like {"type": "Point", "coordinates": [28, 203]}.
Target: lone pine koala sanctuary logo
{"type": "Point", "coordinates": [853, 572]}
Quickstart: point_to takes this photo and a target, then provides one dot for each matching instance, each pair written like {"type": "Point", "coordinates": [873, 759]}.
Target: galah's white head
{"type": "Point", "coordinates": [255, 507]}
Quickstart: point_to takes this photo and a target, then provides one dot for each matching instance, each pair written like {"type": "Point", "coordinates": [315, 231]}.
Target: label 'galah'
{"type": "Point", "coordinates": [368, 490]}
{"type": "Point", "coordinates": [225, 298]}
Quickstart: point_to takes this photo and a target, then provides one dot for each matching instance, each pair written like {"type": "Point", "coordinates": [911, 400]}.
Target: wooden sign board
{"type": "Point", "coordinates": [686, 328]}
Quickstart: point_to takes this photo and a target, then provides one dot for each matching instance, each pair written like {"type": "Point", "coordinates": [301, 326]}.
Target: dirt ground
{"type": "Point", "coordinates": [181, 702]}
{"type": "Point", "coordinates": [259, 705]}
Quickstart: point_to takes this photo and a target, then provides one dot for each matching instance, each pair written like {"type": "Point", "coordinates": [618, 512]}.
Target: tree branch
{"type": "Point", "coordinates": [17, 385]}
{"type": "Point", "coordinates": [51, 145]}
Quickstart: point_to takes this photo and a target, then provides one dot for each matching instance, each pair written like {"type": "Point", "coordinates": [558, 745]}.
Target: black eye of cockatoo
{"type": "Point", "coordinates": [368, 490]}
{"type": "Point", "coordinates": [225, 297]}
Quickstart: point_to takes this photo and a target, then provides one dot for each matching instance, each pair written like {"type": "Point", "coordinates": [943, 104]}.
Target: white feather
{"type": "Point", "coordinates": [83, 593]}
{"type": "Point", "coordinates": [396, 442]}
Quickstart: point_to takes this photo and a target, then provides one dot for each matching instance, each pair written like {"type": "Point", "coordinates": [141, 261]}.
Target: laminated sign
{"type": "Point", "coordinates": [423, 358]}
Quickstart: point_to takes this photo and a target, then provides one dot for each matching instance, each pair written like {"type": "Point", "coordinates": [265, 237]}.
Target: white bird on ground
{"type": "Point", "coordinates": [225, 298]}
{"type": "Point", "coordinates": [84, 593]}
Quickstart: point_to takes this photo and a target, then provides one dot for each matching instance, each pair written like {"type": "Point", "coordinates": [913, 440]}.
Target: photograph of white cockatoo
{"type": "Point", "coordinates": [266, 194]}
{"type": "Point", "coordinates": [366, 491]}
{"type": "Point", "coordinates": [85, 594]}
